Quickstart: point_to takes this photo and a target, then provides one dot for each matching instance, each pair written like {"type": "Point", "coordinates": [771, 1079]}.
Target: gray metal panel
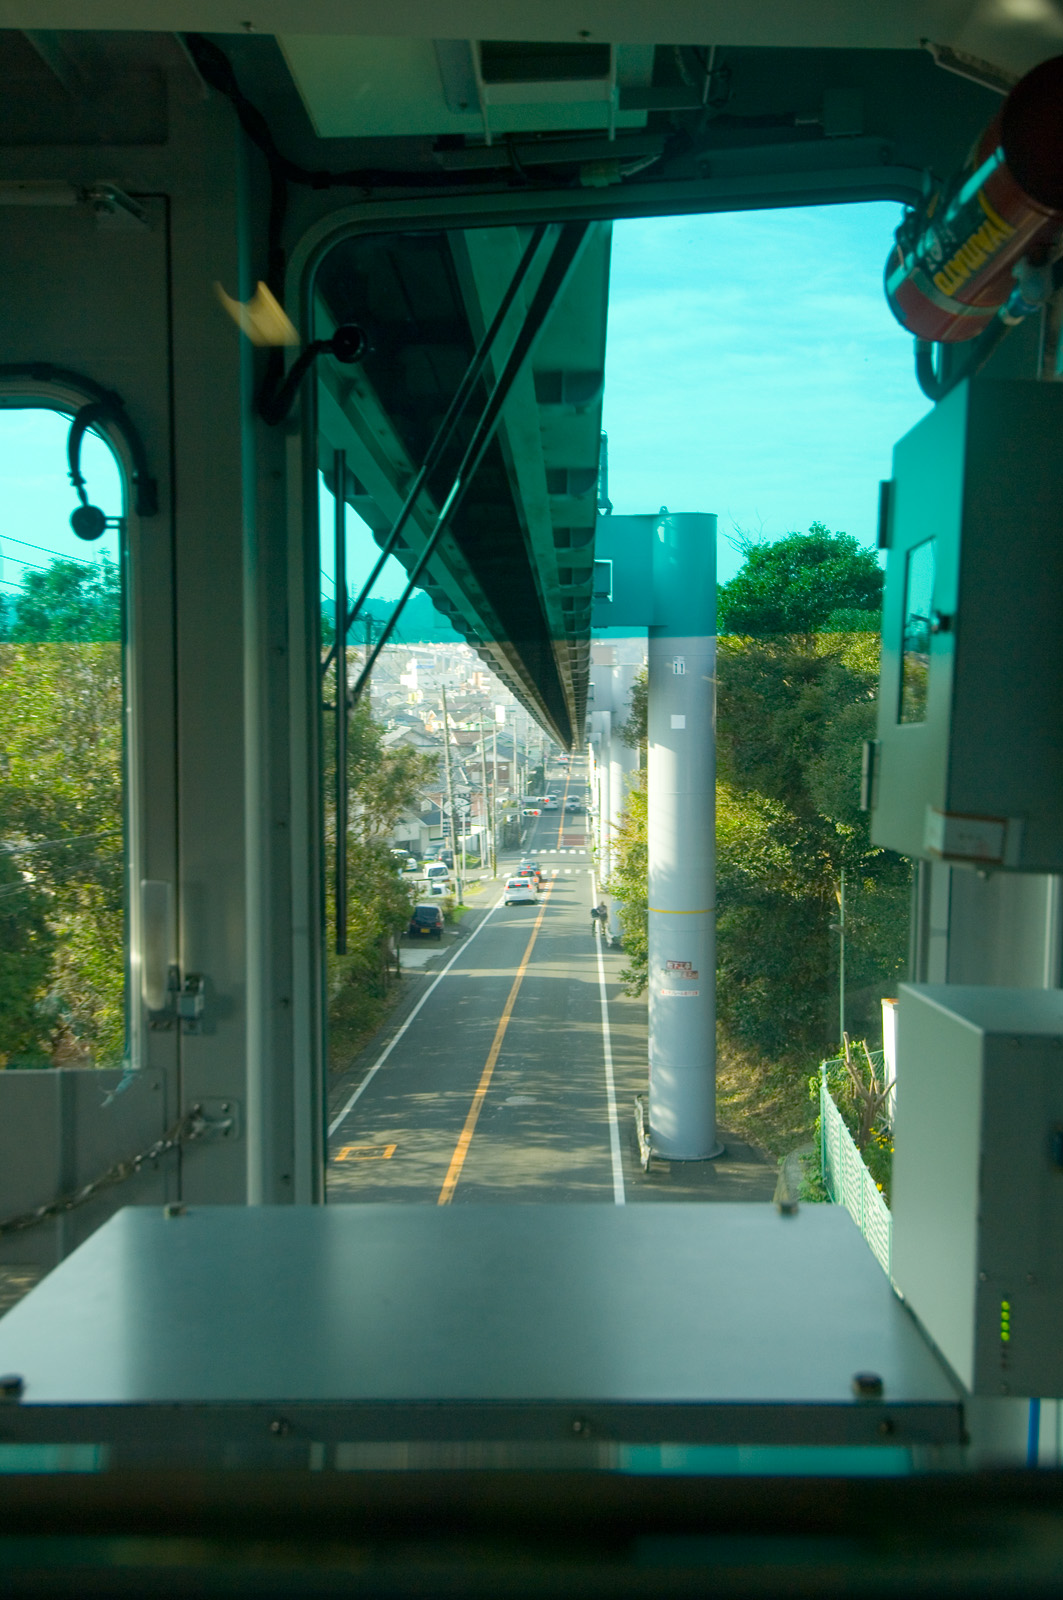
{"type": "Point", "coordinates": [934, 1197]}
{"type": "Point", "coordinates": [60, 1131]}
{"type": "Point", "coordinates": [927, 503]}
{"type": "Point", "coordinates": [978, 1184]}
{"type": "Point", "coordinates": [982, 475]}
{"type": "Point", "coordinates": [478, 1321]}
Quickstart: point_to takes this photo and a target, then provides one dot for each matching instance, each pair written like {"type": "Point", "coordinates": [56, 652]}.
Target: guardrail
{"type": "Point", "coordinates": [848, 1182]}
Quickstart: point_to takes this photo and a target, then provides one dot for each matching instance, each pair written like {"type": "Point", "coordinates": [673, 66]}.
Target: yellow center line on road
{"type": "Point", "coordinates": [564, 797]}
{"type": "Point", "coordinates": [461, 1150]}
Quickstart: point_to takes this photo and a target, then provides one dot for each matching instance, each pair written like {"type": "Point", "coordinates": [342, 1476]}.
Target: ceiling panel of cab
{"type": "Point", "coordinates": [1015, 33]}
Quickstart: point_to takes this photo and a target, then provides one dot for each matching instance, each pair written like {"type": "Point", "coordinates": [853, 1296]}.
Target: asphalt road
{"type": "Point", "coordinates": [512, 1076]}
{"type": "Point", "coordinates": [497, 1088]}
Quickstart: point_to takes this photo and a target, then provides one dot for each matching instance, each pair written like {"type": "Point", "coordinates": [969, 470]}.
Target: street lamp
{"type": "Point", "coordinates": [839, 928]}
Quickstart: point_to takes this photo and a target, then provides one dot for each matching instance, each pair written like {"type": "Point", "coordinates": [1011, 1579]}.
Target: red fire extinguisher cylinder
{"type": "Point", "coordinates": [951, 268]}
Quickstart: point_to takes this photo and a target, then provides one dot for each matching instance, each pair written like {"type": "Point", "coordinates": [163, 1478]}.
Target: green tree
{"type": "Point", "coordinates": [382, 783]}
{"type": "Point", "coordinates": [791, 716]}
{"type": "Point", "coordinates": [69, 602]}
{"type": "Point", "coordinates": [804, 583]}
{"type": "Point", "coordinates": [628, 885]}
{"type": "Point", "coordinates": [26, 949]}
{"type": "Point", "coordinates": [633, 729]}
{"type": "Point", "coordinates": [61, 816]}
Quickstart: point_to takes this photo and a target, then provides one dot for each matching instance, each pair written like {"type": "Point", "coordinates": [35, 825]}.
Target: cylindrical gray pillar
{"type": "Point", "coordinates": [681, 840]}
{"type": "Point", "coordinates": [623, 761]}
{"type": "Point", "coordinates": [605, 856]}
{"type": "Point", "coordinates": [594, 779]}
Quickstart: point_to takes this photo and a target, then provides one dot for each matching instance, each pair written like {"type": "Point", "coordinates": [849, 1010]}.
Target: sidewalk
{"type": "Point", "coordinates": [743, 1172]}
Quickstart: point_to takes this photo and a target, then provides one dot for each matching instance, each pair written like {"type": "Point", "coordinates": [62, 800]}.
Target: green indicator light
{"type": "Point", "coordinates": [1005, 1321]}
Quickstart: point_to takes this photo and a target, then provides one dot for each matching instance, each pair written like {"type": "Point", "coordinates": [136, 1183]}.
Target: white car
{"type": "Point", "coordinates": [437, 872]}
{"type": "Point", "coordinates": [520, 891]}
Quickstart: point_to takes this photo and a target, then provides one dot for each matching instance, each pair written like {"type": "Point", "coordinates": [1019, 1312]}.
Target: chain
{"type": "Point", "coordinates": [192, 1126]}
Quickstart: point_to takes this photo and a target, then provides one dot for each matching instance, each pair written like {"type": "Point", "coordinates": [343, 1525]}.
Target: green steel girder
{"type": "Point", "coordinates": [514, 575]}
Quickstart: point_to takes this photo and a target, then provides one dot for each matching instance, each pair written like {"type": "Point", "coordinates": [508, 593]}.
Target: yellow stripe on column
{"type": "Point", "coordinates": [660, 912]}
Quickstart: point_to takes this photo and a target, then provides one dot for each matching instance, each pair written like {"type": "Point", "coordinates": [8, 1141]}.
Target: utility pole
{"type": "Point", "coordinates": [450, 797]}
{"type": "Point", "coordinates": [463, 826]}
{"type": "Point", "coordinates": [483, 769]}
{"type": "Point", "coordinates": [494, 800]}
{"type": "Point", "coordinates": [841, 959]}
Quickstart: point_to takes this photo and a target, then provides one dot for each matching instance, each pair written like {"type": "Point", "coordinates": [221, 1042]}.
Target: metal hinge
{"type": "Point", "coordinates": [112, 207]}
{"type": "Point", "coordinates": [185, 1001]}
{"type": "Point", "coordinates": [215, 1119]}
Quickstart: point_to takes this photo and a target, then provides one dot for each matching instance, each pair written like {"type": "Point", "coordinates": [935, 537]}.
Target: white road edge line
{"type": "Point", "coordinates": [389, 1047]}
{"type": "Point", "coordinates": [619, 1197]}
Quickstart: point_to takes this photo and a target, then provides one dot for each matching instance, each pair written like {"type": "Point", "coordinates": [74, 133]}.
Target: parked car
{"type": "Point", "coordinates": [520, 891]}
{"type": "Point", "coordinates": [425, 922]}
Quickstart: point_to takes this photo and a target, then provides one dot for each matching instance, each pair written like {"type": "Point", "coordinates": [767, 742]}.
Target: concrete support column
{"type": "Point", "coordinates": [604, 850]}
{"type": "Point", "coordinates": [594, 751]}
{"type": "Point", "coordinates": [623, 761]}
{"type": "Point", "coordinates": [681, 838]}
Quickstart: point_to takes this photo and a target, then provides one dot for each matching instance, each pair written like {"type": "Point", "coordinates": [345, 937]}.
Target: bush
{"type": "Point", "coordinates": [859, 1094]}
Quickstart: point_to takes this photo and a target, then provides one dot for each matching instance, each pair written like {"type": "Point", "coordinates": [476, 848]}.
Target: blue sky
{"type": "Point", "coordinates": [36, 498]}
{"type": "Point", "coordinates": [753, 369]}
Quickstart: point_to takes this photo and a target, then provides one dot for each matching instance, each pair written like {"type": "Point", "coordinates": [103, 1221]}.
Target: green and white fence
{"type": "Point", "coordinates": [849, 1183]}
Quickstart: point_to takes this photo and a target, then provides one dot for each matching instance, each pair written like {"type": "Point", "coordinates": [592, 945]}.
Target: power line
{"type": "Point", "coordinates": [20, 561]}
{"type": "Point", "coordinates": [48, 844]}
{"type": "Point", "coordinates": [46, 550]}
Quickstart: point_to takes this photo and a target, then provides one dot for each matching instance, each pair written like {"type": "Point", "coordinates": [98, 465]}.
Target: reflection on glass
{"type": "Point", "coordinates": [915, 644]}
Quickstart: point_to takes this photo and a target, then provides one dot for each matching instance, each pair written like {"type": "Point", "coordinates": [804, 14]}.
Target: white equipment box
{"type": "Point", "coordinates": [978, 1181]}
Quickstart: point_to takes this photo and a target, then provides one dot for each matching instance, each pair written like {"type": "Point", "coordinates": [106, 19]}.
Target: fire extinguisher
{"type": "Point", "coordinates": [978, 248]}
